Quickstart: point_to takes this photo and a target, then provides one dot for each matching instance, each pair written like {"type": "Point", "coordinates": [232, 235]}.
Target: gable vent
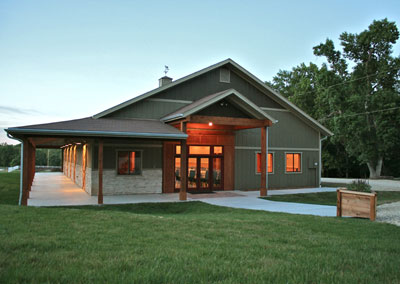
{"type": "Point", "coordinates": [224, 75]}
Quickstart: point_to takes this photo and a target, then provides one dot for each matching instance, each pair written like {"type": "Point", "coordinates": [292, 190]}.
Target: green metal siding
{"type": "Point", "coordinates": [193, 90]}
{"type": "Point", "coordinates": [228, 111]}
{"type": "Point", "coordinates": [209, 83]}
{"type": "Point", "coordinates": [247, 179]}
{"type": "Point", "coordinates": [289, 131]}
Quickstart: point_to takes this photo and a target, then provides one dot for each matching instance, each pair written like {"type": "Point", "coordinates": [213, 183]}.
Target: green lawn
{"type": "Point", "coordinates": [329, 198]}
{"type": "Point", "coordinates": [9, 188]}
{"type": "Point", "coordinates": [191, 242]}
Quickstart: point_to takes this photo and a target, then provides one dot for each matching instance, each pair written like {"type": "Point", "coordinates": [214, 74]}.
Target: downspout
{"type": "Point", "coordinates": [320, 157]}
{"type": "Point", "coordinates": [21, 167]}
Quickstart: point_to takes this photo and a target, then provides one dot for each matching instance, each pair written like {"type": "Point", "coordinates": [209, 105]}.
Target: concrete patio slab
{"type": "Point", "coordinates": [55, 189]}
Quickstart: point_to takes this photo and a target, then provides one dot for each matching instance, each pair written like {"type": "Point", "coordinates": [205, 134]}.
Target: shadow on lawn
{"type": "Point", "coordinates": [167, 208]}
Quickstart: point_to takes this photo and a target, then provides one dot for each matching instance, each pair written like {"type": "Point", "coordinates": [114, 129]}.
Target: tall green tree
{"type": "Point", "coordinates": [367, 117]}
{"type": "Point", "coordinates": [315, 90]}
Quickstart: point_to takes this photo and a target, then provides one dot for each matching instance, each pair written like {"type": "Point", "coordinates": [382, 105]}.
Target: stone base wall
{"type": "Point", "coordinates": [150, 181]}
{"type": "Point", "coordinates": [88, 184]}
{"type": "Point", "coordinates": [78, 175]}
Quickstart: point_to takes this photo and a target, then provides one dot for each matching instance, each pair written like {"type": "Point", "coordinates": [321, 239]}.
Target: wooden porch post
{"type": "Point", "coordinates": [100, 166]}
{"type": "Point", "coordinates": [74, 162]}
{"type": "Point", "coordinates": [182, 191]}
{"type": "Point", "coordinates": [33, 164]}
{"type": "Point", "coordinates": [62, 160]}
{"type": "Point", "coordinates": [70, 162]}
{"type": "Point", "coordinates": [25, 172]}
{"type": "Point", "coordinates": [263, 189]}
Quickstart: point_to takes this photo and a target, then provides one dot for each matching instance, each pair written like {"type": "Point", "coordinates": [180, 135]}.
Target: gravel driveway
{"type": "Point", "coordinates": [389, 213]}
{"type": "Point", "coordinates": [376, 184]}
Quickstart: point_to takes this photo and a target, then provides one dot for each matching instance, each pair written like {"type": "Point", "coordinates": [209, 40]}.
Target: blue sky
{"type": "Point", "coordinates": [63, 60]}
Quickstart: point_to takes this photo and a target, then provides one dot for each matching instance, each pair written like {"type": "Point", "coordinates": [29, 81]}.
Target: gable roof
{"type": "Point", "coordinates": [231, 94]}
{"type": "Point", "coordinates": [103, 127]}
{"type": "Point", "coordinates": [250, 77]}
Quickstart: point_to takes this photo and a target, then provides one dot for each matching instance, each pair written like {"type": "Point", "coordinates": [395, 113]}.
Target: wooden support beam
{"type": "Point", "coordinates": [182, 191]}
{"type": "Point", "coordinates": [62, 159]}
{"type": "Point", "coordinates": [33, 165]}
{"type": "Point", "coordinates": [249, 122]}
{"type": "Point", "coordinates": [25, 173]}
{"type": "Point", "coordinates": [100, 168]}
{"type": "Point", "coordinates": [263, 189]}
{"type": "Point", "coordinates": [70, 162]}
{"type": "Point", "coordinates": [74, 162]}
{"type": "Point", "coordinates": [84, 161]}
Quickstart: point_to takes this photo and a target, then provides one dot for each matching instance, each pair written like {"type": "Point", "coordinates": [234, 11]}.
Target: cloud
{"type": "Point", "coordinates": [14, 110]}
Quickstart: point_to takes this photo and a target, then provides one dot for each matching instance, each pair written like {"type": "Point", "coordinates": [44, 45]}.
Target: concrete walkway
{"type": "Point", "coordinates": [55, 189]}
{"type": "Point", "coordinates": [376, 184]}
{"type": "Point", "coordinates": [250, 200]}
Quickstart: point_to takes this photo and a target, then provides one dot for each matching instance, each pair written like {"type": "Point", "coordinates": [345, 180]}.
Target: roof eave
{"type": "Point", "coordinates": [26, 131]}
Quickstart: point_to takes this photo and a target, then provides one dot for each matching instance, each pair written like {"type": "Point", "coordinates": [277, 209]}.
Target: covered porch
{"type": "Point", "coordinates": [56, 189]}
{"type": "Point", "coordinates": [88, 137]}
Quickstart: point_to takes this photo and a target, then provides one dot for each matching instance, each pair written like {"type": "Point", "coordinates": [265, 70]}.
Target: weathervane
{"type": "Point", "coordinates": [166, 69]}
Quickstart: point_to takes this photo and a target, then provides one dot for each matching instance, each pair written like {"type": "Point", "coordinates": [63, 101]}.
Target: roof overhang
{"type": "Point", "coordinates": [51, 132]}
{"type": "Point", "coordinates": [100, 128]}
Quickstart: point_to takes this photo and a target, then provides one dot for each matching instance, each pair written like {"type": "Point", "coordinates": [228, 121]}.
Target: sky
{"type": "Point", "coordinates": [62, 60]}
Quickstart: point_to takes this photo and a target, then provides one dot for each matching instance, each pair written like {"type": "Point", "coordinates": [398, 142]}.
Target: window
{"type": "Point", "coordinates": [129, 163]}
{"type": "Point", "coordinates": [270, 163]}
{"type": "Point", "coordinates": [199, 150]}
{"type": "Point", "coordinates": [217, 150]}
{"type": "Point", "coordinates": [293, 162]}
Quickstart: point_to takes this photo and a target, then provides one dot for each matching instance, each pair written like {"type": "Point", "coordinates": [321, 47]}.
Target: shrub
{"type": "Point", "coordinates": [359, 185]}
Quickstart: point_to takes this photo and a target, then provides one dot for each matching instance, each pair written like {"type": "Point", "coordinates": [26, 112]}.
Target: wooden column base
{"type": "Point", "coordinates": [182, 195]}
{"type": "Point", "coordinates": [263, 192]}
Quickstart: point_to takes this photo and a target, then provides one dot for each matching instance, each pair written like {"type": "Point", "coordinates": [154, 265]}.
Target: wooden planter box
{"type": "Point", "coordinates": [356, 204]}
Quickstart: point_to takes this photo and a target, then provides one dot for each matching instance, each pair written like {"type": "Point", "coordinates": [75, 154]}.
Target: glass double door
{"type": "Point", "coordinates": [204, 173]}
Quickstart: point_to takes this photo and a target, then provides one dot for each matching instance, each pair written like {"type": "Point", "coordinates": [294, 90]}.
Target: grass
{"type": "Point", "coordinates": [9, 188]}
{"type": "Point", "coordinates": [329, 198]}
{"type": "Point", "coordinates": [191, 242]}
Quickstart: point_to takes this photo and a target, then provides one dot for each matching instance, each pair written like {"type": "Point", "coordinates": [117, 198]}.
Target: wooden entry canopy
{"type": "Point", "coordinates": [248, 116]}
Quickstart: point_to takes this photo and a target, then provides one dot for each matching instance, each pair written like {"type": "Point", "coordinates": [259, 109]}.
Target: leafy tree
{"type": "Point", "coordinates": [366, 117]}
{"type": "Point", "coordinates": [310, 88]}
{"type": "Point", "coordinates": [356, 95]}
{"type": "Point", "coordinates": [8, 155]}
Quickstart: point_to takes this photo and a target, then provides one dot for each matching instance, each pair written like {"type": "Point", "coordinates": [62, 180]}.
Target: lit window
{"type": "Point", "coordinates": [217, 150]}
{"type": "Point", "coordinates": [129, 163]}
{"type": "Point", "coordinates": [293, 162]}
{"type": "Point", "coordinates": [270, 162]}
{"type": "Point", "coordinates": [178, 149]}
{"type": "Point", "coordinates": [199, 150]}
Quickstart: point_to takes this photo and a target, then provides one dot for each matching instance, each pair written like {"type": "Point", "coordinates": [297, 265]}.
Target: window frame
{"type": "Point", "coordinates": [117, 163]}
{"type": "Point", "coordinates": [273, 162]}
{"type": "Point", "coordinates": [301, 163]}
